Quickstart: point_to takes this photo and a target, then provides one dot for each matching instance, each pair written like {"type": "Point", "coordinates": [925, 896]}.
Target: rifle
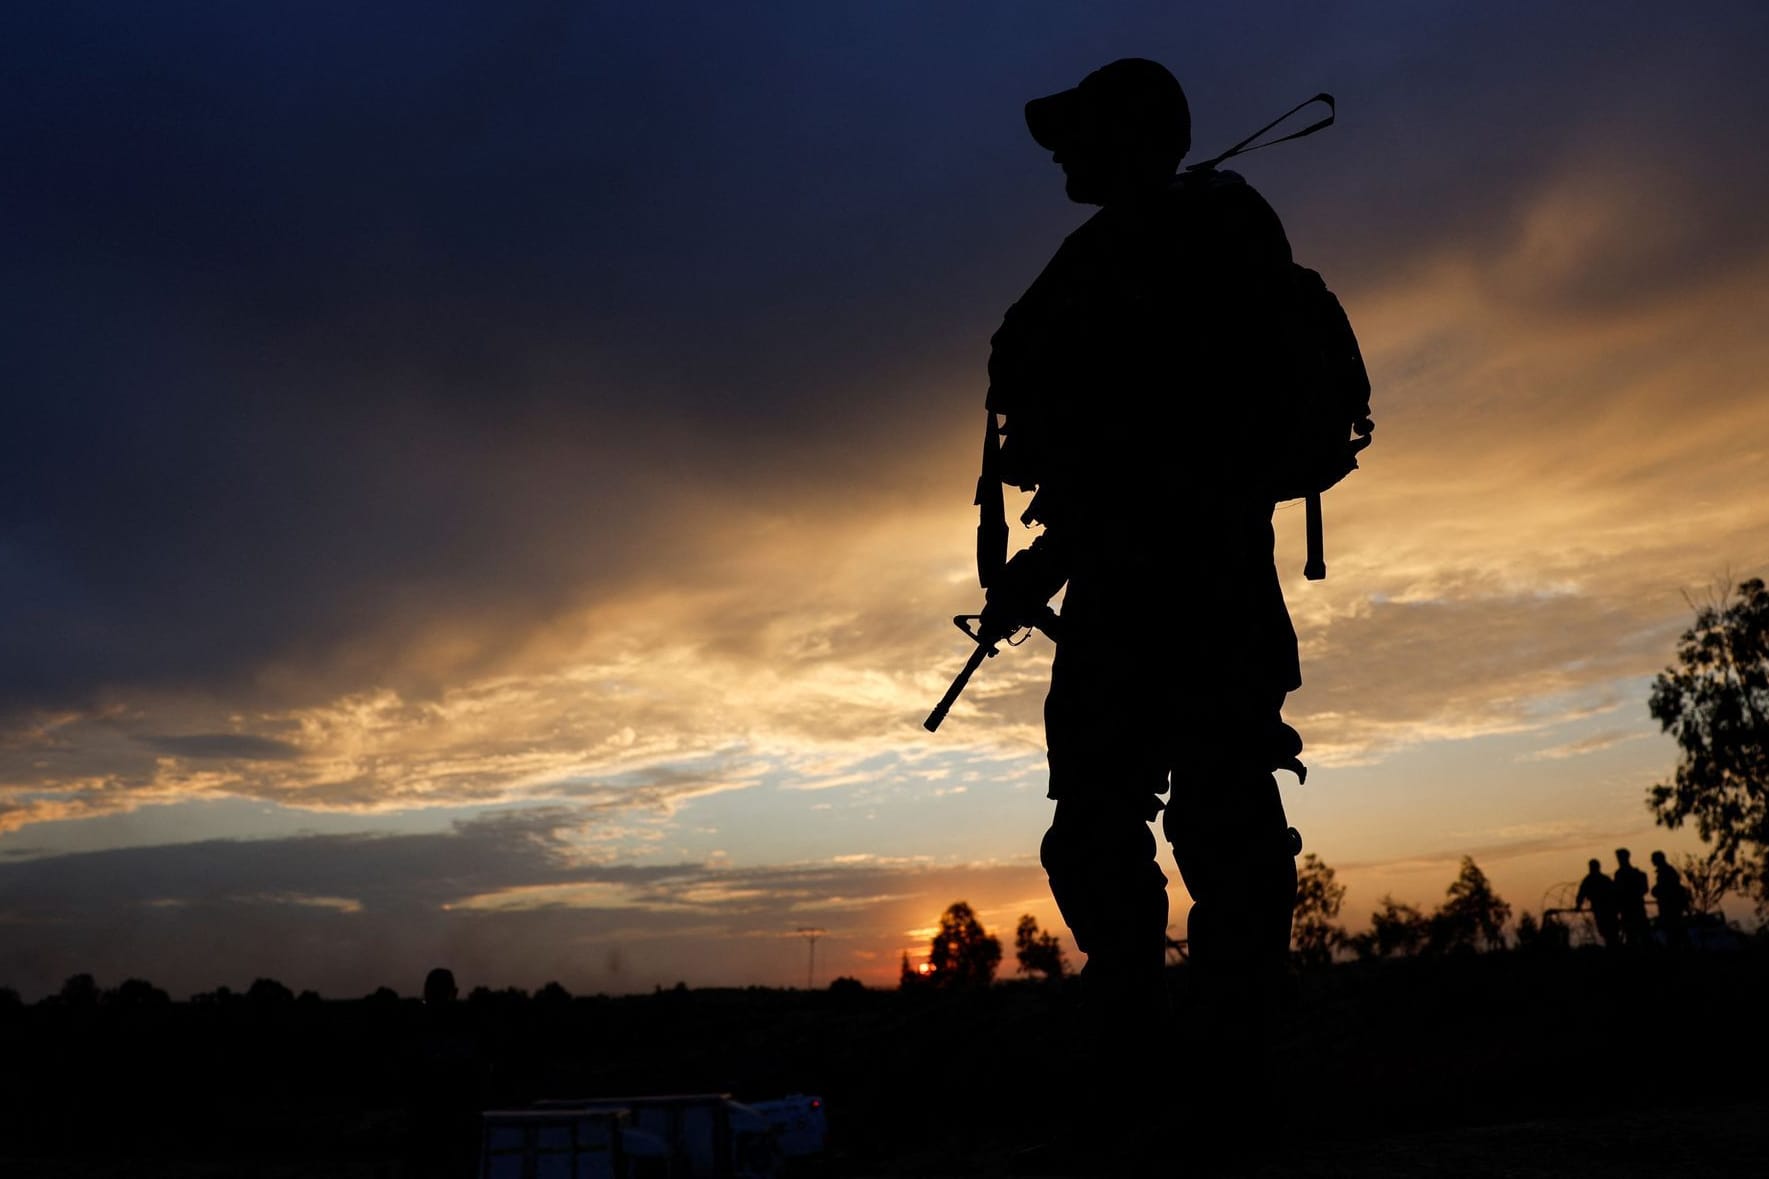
{"type": "Point", "coordinates": [987, 647]}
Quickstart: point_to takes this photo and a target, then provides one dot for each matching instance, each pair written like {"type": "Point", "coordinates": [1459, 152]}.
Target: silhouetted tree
{"type": "Point", "coordinates": [553, 993]}
{"type": "Point", "coordinates": [1715, 702]}
{"type": "Point", "coordinates": [1313, 936]}
{"type": "Point", "coordinates": [80, 990]}
{"type": "Point", "coordinates": [1471, 915]}
{"type": "Point", "coordinates": [1038, 953]}
{"type": "Point", "coordinates": [908, 977]}
{"type": "Point", "coordinates": [1709, 878]}
{"type": "Point", "coordinates": [963, 954]}
{"type": "Point", "coordinates": [10, 1001]}
{"type": "Point", "coordinates": [1528, 932]}
{"type": "Point", "coordinates": [136, 993]}
{"type": "Point", "coordinates": [267, 992]}
{"type": "Point", "coordinates": [219, 997]}
{"type": "Point", "coordinates": [846, 985]}
{"type": "Point", "coordinates": [383, 996]}
{"type": "Point", "coordinates": [1395, 929]}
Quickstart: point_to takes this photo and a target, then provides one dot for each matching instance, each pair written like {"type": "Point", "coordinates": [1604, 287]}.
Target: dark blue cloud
{"type": "Point", "coordinates": [325, 324]}
{"type": "Point", "coordinates": [346, 913]}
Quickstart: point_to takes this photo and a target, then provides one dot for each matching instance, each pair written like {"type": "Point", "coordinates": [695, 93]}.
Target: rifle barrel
{"type": "Point", "coordinates": [983, 651]}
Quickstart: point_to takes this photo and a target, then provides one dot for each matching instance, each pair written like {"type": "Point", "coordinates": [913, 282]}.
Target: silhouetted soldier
{"type": "Point", "coordinates": [1129, 376]}
{"type": "Point", "coordinates": [1673, 900]}
{"type": "Point", "coordinates": [1598, 891]}
{"type": "Point", "coordinates": [1630, 899]}
{"type": "Point", "coordinates": [443, 1086]}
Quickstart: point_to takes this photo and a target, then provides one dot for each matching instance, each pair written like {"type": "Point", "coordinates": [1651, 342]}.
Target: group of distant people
{"type": "Point", "coordinates": [1618, 904]}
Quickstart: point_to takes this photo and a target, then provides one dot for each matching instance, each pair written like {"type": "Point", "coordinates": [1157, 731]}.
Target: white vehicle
{"type": "Point", "coordinates": [569, 1144]}
{"type": "Point", "coordinates": [800, 1126]}
{"type": "Point", "coordinates": [709, 1136]}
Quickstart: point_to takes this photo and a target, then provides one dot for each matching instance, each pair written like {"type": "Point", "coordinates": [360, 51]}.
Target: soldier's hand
{"type": "Point", "coordinates": [999, 619]}
{"type": "Point", "coordinates": [1020, 592]}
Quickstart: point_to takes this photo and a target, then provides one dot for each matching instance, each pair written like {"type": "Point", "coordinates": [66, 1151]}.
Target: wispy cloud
{"type": "Point", "coordinates": [1592, 744]}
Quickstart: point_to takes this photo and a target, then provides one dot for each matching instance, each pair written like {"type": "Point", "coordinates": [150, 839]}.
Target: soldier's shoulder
{"type": "Point", "coordinates": [1224, 209]}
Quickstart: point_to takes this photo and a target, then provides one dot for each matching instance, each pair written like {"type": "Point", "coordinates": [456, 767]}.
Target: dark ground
{"type": "Point", "coordinates": [1507, 1064]}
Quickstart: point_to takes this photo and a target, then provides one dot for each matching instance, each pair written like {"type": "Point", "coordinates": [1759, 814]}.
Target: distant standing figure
{"type": "Point", "coordinates": [1673, 900]}
{"type": "Point", "coordinates": [442, 1085]}
{"type": "Point", "coordinates": [1630, 899]}
{"type": "Point", "coordinates": [1598, 891]}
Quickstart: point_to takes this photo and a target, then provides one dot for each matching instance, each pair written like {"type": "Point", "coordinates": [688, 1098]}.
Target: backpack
{"type": "Point", "coordinates": [1323, 401]}
{"type": "Point", "coordinates": [1321, 388]}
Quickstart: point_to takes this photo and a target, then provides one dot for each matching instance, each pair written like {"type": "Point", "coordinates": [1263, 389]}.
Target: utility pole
{"type": "Point", "coordinates": [811, 933]}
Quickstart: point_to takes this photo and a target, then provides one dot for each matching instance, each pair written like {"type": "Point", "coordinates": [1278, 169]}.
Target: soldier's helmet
{"type": "Point", "coordinates": [1131, 106]}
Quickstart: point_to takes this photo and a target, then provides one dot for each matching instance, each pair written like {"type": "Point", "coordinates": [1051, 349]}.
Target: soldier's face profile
{"type": "Point", "coordinates": [1084, 177]}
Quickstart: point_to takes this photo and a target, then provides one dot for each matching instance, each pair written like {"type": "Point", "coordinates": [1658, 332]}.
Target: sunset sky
{"type": "Point", "coordinates": [489, 485]}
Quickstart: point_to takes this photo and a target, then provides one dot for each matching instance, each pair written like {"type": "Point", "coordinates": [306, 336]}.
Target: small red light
{"type": "Point", "coordinates": [817, 1105]}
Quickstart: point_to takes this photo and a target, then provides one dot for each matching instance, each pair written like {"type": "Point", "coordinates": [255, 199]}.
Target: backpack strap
{"type": "Point", "coordinates": [1314, 568]}
{"type": "Point", "coordinates": [1242, 147]}
{"type": "Point", "coordinates": [991, 507]}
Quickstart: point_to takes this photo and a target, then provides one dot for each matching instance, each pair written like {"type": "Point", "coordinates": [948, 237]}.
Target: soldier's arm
{"type": "Point", "coordinates": [1025, 586]}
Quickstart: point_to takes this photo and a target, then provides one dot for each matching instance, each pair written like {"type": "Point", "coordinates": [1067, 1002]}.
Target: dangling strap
{"type": "Point", "coordinates": [991, 508]}
{"type": "Point", "coordinates": [1241, 148]}
{"type": "Point", "coordinates": [1315, 567]}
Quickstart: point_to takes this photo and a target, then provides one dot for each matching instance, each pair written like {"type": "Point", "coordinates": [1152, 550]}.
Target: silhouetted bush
{"type": "Point", "coordinates": [1313, 935]}
{"type": "Point", "coordinates": [337, 1088]}
{"type": "Point", "coordinates": [267, 992]}
{"type": "Point", "coordinates": [1395, 930]}
{"type": "Point", "coordinates": [135, 993]}
{"type": "Point", "coordinates": [1039, 953]}
{"type": "Point", "coordinates": [80, 991]}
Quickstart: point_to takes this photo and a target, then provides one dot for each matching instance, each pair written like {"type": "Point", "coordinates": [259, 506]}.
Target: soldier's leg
{"type": "Point", "coordinates": [1104, 723]}
{"type": "Point", "coordinates": [1101, 859]}
{"type": "Point", "coordinates": [1232, 845]}
{"type": "Point", "coordinates": [1108, 767]}
{"type": "Point", "coordinates": [1231, 841]}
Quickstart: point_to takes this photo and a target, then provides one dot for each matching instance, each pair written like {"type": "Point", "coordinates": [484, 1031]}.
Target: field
{"type": "Point", "coordinates": [1506, 1064]}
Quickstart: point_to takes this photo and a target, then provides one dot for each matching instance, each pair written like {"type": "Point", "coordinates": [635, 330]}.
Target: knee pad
{"type": "Point", "coordinates": [1106, 881]}
{"type": "Point", "coordinates": [1236, 814]}
{"type": "Point", "coordinates": [1088, 837]}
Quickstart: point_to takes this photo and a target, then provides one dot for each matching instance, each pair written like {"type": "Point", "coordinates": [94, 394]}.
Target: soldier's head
{"type": "Point", "coordinates": [1658, 859]}
{"type": "Point", "coordinates": [1121, 132]}
{"type": "Point", "coordinates": [439, 986]}
{"type": "Point", "coordinates": [1596, 865]}
{"type": "Point", "coordinates": [1622, 855]}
